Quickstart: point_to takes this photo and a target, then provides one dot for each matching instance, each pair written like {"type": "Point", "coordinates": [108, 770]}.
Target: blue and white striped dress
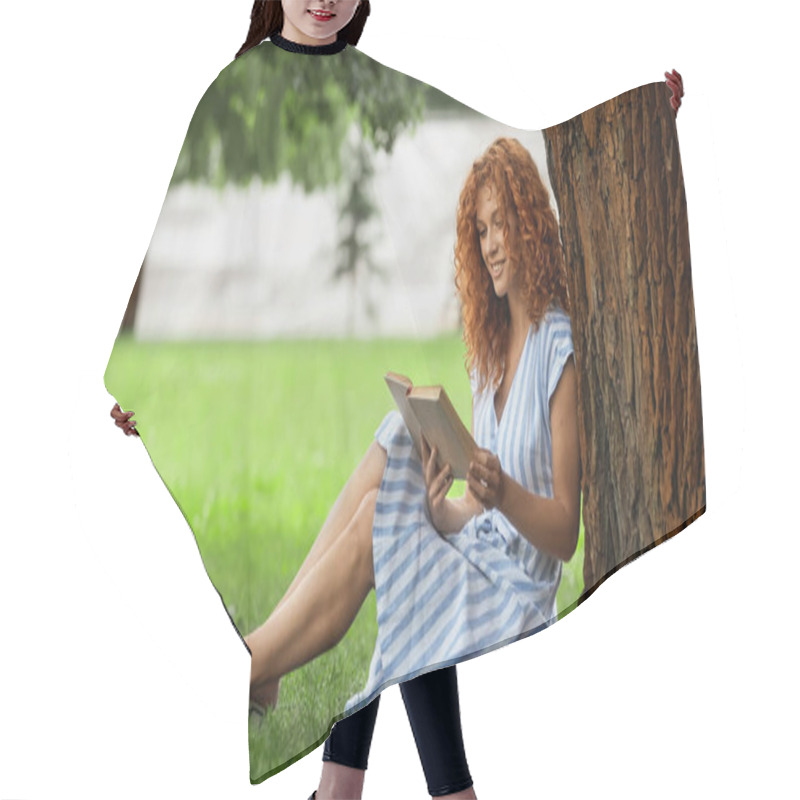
{"type": "Point", "coordinates": [441, 599]}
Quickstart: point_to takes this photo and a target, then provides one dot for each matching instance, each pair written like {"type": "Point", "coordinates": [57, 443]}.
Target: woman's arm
{"type": "Point", "coordinates": [551, 525]}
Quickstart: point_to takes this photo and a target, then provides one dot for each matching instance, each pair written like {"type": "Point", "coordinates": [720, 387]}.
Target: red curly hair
{"type": "Point", "coordinates": [532, 246]}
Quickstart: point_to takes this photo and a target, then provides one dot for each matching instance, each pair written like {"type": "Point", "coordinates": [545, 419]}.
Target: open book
{"type": "Point", "coordinates": [428, 412]}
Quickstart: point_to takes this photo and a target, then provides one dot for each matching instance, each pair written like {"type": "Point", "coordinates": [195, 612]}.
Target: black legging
{"type": "Point", "coordinates": [432, 706]}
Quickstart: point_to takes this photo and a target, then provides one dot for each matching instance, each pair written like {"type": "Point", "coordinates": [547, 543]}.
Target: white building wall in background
{"type": "Point", "coordinates": [257, 262]}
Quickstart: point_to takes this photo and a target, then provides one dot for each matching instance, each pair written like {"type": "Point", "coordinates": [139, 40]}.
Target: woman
{"type": "Point", "coordinates": [488, 564]}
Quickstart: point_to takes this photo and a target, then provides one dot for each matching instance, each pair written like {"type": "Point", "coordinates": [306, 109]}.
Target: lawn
{"type": "Point", "coordinates": [255, 441]}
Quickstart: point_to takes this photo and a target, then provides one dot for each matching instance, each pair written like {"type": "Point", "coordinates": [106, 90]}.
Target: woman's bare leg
{"type": "Point", "coordinates": [345, 783]}
{"type": "Point", "coordinates": [366, 476]}
{"type": "Point", "coordinates": [339, 782]}
{"type": "Point", "coordinates": [322, 607]}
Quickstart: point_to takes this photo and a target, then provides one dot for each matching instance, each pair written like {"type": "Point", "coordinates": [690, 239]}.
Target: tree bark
{"type": "Point", "coordinates": [616, 175]}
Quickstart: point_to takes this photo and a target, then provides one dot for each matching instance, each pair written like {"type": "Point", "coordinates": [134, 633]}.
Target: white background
{"type": "Point", "coordinates": [120, 675]}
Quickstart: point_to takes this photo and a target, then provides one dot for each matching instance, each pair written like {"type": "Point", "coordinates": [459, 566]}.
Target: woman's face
{"type": "Point", "coordinates": [316, 22]}
{"type": "Point", "coordinates": [489, 221]}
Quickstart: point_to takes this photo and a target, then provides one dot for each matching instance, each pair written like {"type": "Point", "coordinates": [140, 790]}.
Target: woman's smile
{"type": "Point", "coordinates": [497, 268]}
{"type": "Point", "coordinates": [321, 16]}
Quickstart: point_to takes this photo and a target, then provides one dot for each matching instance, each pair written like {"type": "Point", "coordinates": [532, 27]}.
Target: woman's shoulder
{"type": "Point", "coordinates": [554, 337]}
{"type": "Point", "coordinates": [555, 322]}
{"type": "Point", "coordinates": [474, 381]}
{"type": "Point", "coordinates": [555, 348]}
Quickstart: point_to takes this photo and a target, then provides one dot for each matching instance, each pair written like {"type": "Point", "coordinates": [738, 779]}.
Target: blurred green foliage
{"type": "Point", "coordinates": [270, 113]}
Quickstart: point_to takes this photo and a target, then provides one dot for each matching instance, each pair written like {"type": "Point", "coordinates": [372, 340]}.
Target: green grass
{"type": "Point", "coordinates": [255, 441]}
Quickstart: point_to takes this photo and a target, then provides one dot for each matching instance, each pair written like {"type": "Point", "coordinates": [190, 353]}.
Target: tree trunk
{"type": "Point", "coordinates": [616, 175]}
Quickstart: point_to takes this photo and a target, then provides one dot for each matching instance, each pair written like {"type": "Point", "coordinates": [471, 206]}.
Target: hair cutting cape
{"type": "Point", "coordinates": [305, 247]}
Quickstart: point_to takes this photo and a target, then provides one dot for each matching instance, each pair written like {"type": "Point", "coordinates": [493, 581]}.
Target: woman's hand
{"type": "Point", "coordinates": [486, 479]}
{"type": "Point", "coordinates": [124, 420]}
{"type": "Point", "coordinates": [675, 83]}
{"type": "Point", "coordinates": [438, 485]}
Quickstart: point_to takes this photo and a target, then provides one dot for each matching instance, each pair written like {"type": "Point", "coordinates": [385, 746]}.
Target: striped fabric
{"type": "Point", "coordinates": [441, 599]}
